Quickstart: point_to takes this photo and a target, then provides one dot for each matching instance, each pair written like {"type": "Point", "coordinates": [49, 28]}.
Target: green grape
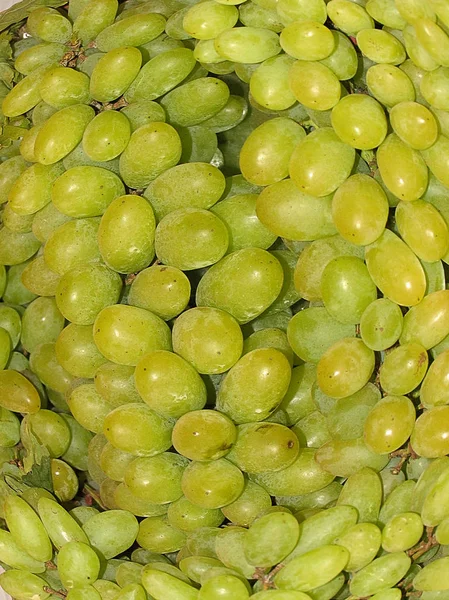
{"type": "Point", "coordinates": [10, 170]}
{"type": "Point", "coordinates": [78, 158]}
{"type": "Point", "coordinates": [25, 95]}
{"type": "Point", "coordinates": [44, 364]}
{"type": "Point", "coordinates": [307, 40]}
{"type": "Point", "coordinates": [311, 167]}
{"type": "Point", "coordinates": [195, 567]}
{"type": "Point", "coordinates": [402, 532]}
{"type": "Point", "coordinates": [202, 542]}
{"type": "Point", "coordinates": [5, 347]}
{"type": "Point", "coordinates": [124, 334]}
{"type": "Point", "coordinates": [106, 136]}
{"type": "Point", "coordinates": [403, 170]}
{"type": "Point", "coordinates": [434, 87]}
{"type": "Point", "coordinates": [297, 402]}
{"type": "Point", "coordinates": [389, 85]}
{"type": "Point", "coordinates": [433, 577]}
{"type": "Point", "coordinates": [347, 418]}
{"type": "Point", "coordinates": [434, 391]}
{"type": "Point", "coordinates": [414, 124]}
{"type": "Point", "coordinates": [47, 220]}
{"type": "Point", "coordinates": [435, 508]}
{"type": "Point", "coordinates": [359, 121]}
{"type": "Point", "coordinates": [343, 458]}
{"type": "Point", "coordinates": [50, 429]}
{"type": "Point", "coordinates": [64, 480]}
{"type": "Point", "coordinates": [49, 25]}
{"type": "Point", "coordinates": [427, 479]}
{"type": "Point", "coordinates": [77, 352]}
{"type": "Point", "coordinates": [281, 595]}
{"type": "Point", "coordinates": [85, 592]}
{"type": "Point", "coordinates": [382, 573]}
{"type": "Point", "coordinates": [271, 538]}
{"type": "Point", "coordinates": [266, 153]}
{"type": "Point", "coordinates": [76, 454]}
{"type": "Point", "coordinates": [349, 16]}
{"type": "Point", "coordinates": [23, 585]}
{"type": "Point", "coordinates": [143, 112]}
{"type": "Point", "coordinates": [72, 244]}
{"type": "Point", "coordinates": [16, 248]}
{"type": "Point", "coordinates": [362, 542]}
{"type": "Point", "coordinates": [428, 323]}
{"type": "Point", "coordinates": [10, 320]}
{"type": "Point", "coordinates": [9, 428]}
{"type": "Point", "coordinates": [125, 500]}
{"type": "Point", "coordinates": [253, 501]}
{"type": "Point", "coordinates": [184, 515]}
{"type": "Point", "coordinates": [254, 15]}
{"type": "Point", "coordinates": [92, 17]}
{"type": "Point", "coordinates": [15, 222]}
{"type": "Point", "coordinates": [18, 362]}
{"type": "Point", "coordinates": [270, 337]}
{"type": "Point", "coordinates": [312, 569]}
{"type": "Point", "coordinates": [39, 55]}
{"type": "Point", "coordinates": [441, 534]}
{"type": "Point", "coordinates": [39, 279]}
{"type": "Point", "coordinates": [363, 491]}
{"type": "Point", "coordinates": [208, 338]}
{"type": "Point", "coordinates": [403, 369]}
{"type": "Point", "coordinates": [128, 572]}
{"type": "Point", "coordinates": [114, 462]}
{"type": "Point", "coordinates": [381, 324]}
{"type": "Point", "coordinates": [319, 499]}
{"type": "Point", "coordinates": [13, 555]}
{"type": "Point", "coordinates": [107, 589]}
{"type": "Point", "coordinates": [385, 12]}
{"type": "Point", "coordinates": [169, 384]}
{"type": "Point", "coordinates": [164, 586]}
{"type": "Point", "coordinates": [430, 433]}
{"type": "Point", "coordinates": [413, 10]}
{"type": "Point", "coordinates": [115, 383]}
{"type": "Point", "coordinates": [127, 427]}
{"type": "Point", "coordinates": [191, 185]}
{"type": "Point", "coordinates": [156, 479]}
{"type": "Point", "coordinates": [301, 10]}
{"type": "Point", "coordinates": [224, 586]}
{"type": "Point", "coordinates": [136, 30]}
{"type": "Point", "coordinates": [42, 323]}
{"type": "Point", "coordinates": [62, 87]}
{"type": "Point", "coordinates": [160, 44]}
{"type": "Point", "coordinates": [161, 74]}
{"type": "Point", "coordinates": [26, 529]}
{"type": "Point", "coordinates": [78, 564]}
{"type": "Point", "coordinates": [434, 39]}
{"type": "Point", "coordinates": [212, 484]}
{"type": "Point", "coordinates": [208, 20]}
{"type": "Point", "coordinates": [436, 158]}
{"type": "Point", "coordinates": [381, 47]}
{"type": "Point", "coordinates": [152, 149]}
{"type": "Point", "coordinates": [264, 447]}
{"type": "Point", "coordinates": [18, 393]}
{"type": "Point", "coordinates": [112, 532]}
{"type": "Point", "coordinates": [157, 535]}
{"type": "Point", "coordinates": [32, 189]}
{"type": "Point", "coordinates": [398, 501]}
{"type": "Point", "coordinates": [325, 91]}
{"type": "Point", "coordinates": [114, 73]}
{"type": "Point", "coordinates": [269, 84]}
{"type": "Point", "coordinates": [27, 144]}
{"type": "Point", "coordinates": [247, 44]}
{"type": "Point", "coordinates": [396, 270]}
{"type": "Point", "coordinates": [342, 61]}
{"type": "Point", "coordinates": [14, 291]}
{"type": "Point", "coordinates": [41, 112]}
{"type": "Point", "coordinates": [301, 477]}
{"type": "Point", "coordinates": [199, 143]}
{"type": "Point", "coordinates": [61, 133]}
{"type": "Point", "coordinates": [417, 53]}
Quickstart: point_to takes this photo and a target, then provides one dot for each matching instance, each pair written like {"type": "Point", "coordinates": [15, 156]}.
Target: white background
{"type": "Point", "coordinates": [4, 4]}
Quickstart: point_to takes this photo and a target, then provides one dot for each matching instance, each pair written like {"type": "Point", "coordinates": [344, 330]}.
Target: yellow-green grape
{"type": "Point", "coordinates": [345, 421]}
{"type": "Point", "coordinates": [64, 480]}
{"type": "Point", "coordinates": [61, 87]}
{"type": "Point", "coordinates": [11, 321]}
{"type": "Point", "coordinates": [433, 577]}
{"type": "Point", "coordinates": [143, 112]}
{"type": "Point", "coordinates": [194, 185]}
{"type": "Point", "coordinates": [360, 209]}
{"type": "Point", "coordinates": [381, 47]}
{"type": "Point", "coordinates": [49, 25]}
{"type": "Point", "coordinates": [15, 222]}
{"type": "Point", "coordinates": [265, 155]}
{"type": "Point", "coordinates": [23, 584]}
{"type": "Point", "coordinates": [417, 53]}
{"type": "Point", "coordinates": [196, 566]}
{"type": "Point", "coordinates": [435, 508]}
{"type": "Point", "coordinates": [440, 8]}
{"type": "Point", "coordinates": [231, 115]}
{"type": "Point", "coordinates": [403, 368]}
{"type": "Point", "coordinates": [253, 501]}
{"type": "Point", "coordinates": [106, 136]}
{"type": "Point", "coordinates": [15, 292]}
{"type": "Point", "coordinates": [27, 529]}
{"type": "Point", "coordinates": [125, 500]}
{"type": "Point", "coordinates": [382, 573]}
{"type": "Point", "coordinates": [345, 368]}
{"type": "Point", "coordinates": [396, 270]}
{"type": "Point", "coordinates": [323, 93]}
{"type": "Point", "coordinates": [381, 324]}
{"type": "Point", "coordinates": [257, 278]}
{"type": "Point", "coordinates": [76, 453]}
{"type": "Point", "coordinates": [348, 16]}
{"type": "Point", "coordinates": [434, 88]}
{"type": "Point", "coordinates": [86, 191]}
{"type": "Point", "coordinates": [85, 592]}
{"type": "Point", "coordinates": [78, 565]}
{"type": "Point", "coordinates": [290, 213]}
{"type": "Point", "coordinates": [203, 435]}
{"type": "Point", "coordinates": [389, 85]}
{"type": "Point", "coordinates": [152, 149]}
{"type": "Point", "coordinates": [50, 429]}
{"type": "Point", "coordinates": [269, 84]}
{"type": "Point", "coordinates": [307, 40]}
{"type": "Point", "coordinates": [127, 427]}
{"type": "Point", "coordinates": [343, 60]}
{"type": "Point", "coordinates": [128, 572]}
{"type": "Point", "coordinates": [5, 347]}
{"type": "Point", "coordinates": [15, 557]}
{"type": "Point", "coordinates": [434, 39]}
{"type": "Point", "coordinates": [414, 124]}
{"type": "Point", "coordinates": [124, 334]}
{"type": "Point", "coordinates": [88, 407]}
{"type": "Point", "coordinates": [212, 484]}
{"type": "Point", "coordinates": [137, 30]}
{"type": "Point", "coordinates": [321, 162]}
{"type": "Point", "coordinates": [441, 533]}
{"type": "Point", "coordinates": [186, 516]}
{"type": "Point", "coordinates": [111, 532]}
{"type": "Point", "coordinates": [269, 337]}
{"type": "Point", "coordinates": [403, 170]}
{"type": "Point", "coordinates": [399, 500]}
{"type": "Point", "coordinates": [431, 242]}
{"type": "Point", "coordinates": [92, 17]}
{"type": "Point", "coordinates": [414, 10]}
{"type": "Point", "coordinates": [25, 95]}
{"type": "Point", "coordinates": [301, 10]}
{"type": "Point", "coordinates": [115, 383]}
{"type": "Point", "coordinates": [156, 479]}
{"type": "Point", "coordinates": [363, 491]}
{"type": "Point", "coordinates": [313, 569]}
{"type": "Point", "coordinates": [385, 12]}
{"type": "Point", "coordinates": [303, 476]}
{"type": "Point", "coordinates": [201, 239]}
{"type": "Point", "coordinates": [247, 44]}
{"type": "Point", "coordinates": [32, 189]}
{"type": "Point", "coordinates": [362, 542]}
{"type": "Point", "coordinates": [39, 55]}
{"type": "Point", "coordinates": [347, 289]}
{"type": "Point", "coordinates": [415, 74]}
{"type": "Point", "coordinates": [429, 437]}
{"type": "Point", "coordinates": [161, 74]}
{"type": "Point", "coordinates": [195, 101]}
{"type": "Point", "coordinates": [42, 111]}
{"type": "Point", "coordinates": [72, 243]}
{"type": "Point", "coordinates": [10, 170]}
{"type": "Point", "coordinates": [76, 351]}
{"type": "Point", "coordinates": [169, 384]}
{"type": "Point", "coordinates": [114, 73]}
{"type": "Point", "coordinates": [389, 424]}
{"type": "Point", "coordinates": [163, 290]}
{"type": "Point", "coordinates": [15, 247]}
{"type": "Point", "coordinates": [343, 458]}
{"type": "Point", "coordinates": [42, 323]}
{"type": "Point", "coordinates": [207, 20]}
{"type": "Point", "coordinates": [44, 363]}
{"type": "Point", "coordinates": [434, 390]}
{"type": "Point", "coordinates": [437, 157]}
{"type": "Point", "coordinates": [126, 234]}
{"type": "Point", "coordinates": [106, 588]}
{"type": "Point", "coordinates": [114, 462]}
{"type": "Point", "coordinates": [264, 447]}
{"type": "Point", "coordinates": [164, 586]}
{"type": "Point", "coordinates": [359, 121]}
{"type": "Point", "coordinates": [205, 53]}
{"type": "Point", "coordinates": [442, 120]}
{"type": "Point", "coordinates": [271, 538]}
{"type": "Point", "coordinates": [47, 220]}
{"type": "Point", "coordinates": [224, 586]}
{"type": "Point", "coordinates": [427, 324]}
{"type": "Point", "coordinates": [18, 393]}
{"type": "Point", "coordinates": [10, 428]}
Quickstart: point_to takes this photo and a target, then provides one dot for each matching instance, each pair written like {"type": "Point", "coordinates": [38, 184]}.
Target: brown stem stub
{"type": "Point", "coordinates": [59, 593]}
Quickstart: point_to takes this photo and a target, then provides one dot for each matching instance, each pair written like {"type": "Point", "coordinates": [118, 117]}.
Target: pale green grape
{"type": "Point", "coordinates": [10, 170]}
{"type": "Point", "coordinates": [314, 85]}
{"type": "Point", "coordinates": [436, 158]}
{"type": "Point", "coordinates": [164, 586]}
{"type": "Point", "coordinates": [307, 40]}
{"type": "Point", "coordinates": [156, 479]}
{"type": "Point", "coordinates": [381, 47]}
{"type": "Point", "coordinates": [128, 572]}
{"type": "Point", "coordinates": [253, 501]}
{"type": "Point", "coordinates": [359, 121]}
{"type": "Point", "coordinates": [27, 529]}
{"type": "Point", "coordinates": [9, 428]}
{"type": "Point", "coordinates": [5, 347]}
{"type": "Point", "coordinates": [269, 337]}
{"type": "Point", "coordinates": [39, 55]}
{"type": "Point", "coordinates": [281, 595]}
{"type": "Point", "coordinates": [39, 279]}
{"type": "Point", "coordinates": [202, 542]}
{"type": "Point", "coordinates": [417, 53]}
{"type": "Point", "coordinates": [106, 136]}
{"type": "Point", "coordinates": [363, 491]}
{"type": "Point", "coordinates": [114, 73]}
{"type": "Point", "coordinates": [398, 501]}
{"type": "Point", "coordinates": [78, 564]}
{"type": "Point", "coordinates": [362, 542]}
{"type": "Point", "coordinates": [427, 324]}
{"type": "Point", "coordinates": [32, 189]}
{"type": "Point", "coordinates": [203, 435]}
{"type": "Point", "coordinates": [434, 390]}
{"type": "Point", "coordinates": [390, 85]}
{"type": "Point", "coordinates": [76, 453]}
{"type": "Point", "coordinates": [402, 532]}
{"type": "Point", "coordinates": [429, 437]}
{"type": "Point", "coordinates": [15, 222]}
{"type": "Point", "coordinates": [25, 95]}
{"type": "Point", "coordinates": [347, 418]}
{"type": "Point", "coordinates": [18, 393]}
{"type": "Point", "coordinates": [132, 591]}
{"type": "Point", "coordinates": [114, 462]}
{"type": "Point", "coordinates": [14, 291]}
{"type": "Point", "coordinates": [403, 369]}
{"type": "Point", "coordinates": [414, 124]}
{"type": "Point", "coordinates": [349, 16]}
{"type": "Point", "coordinates": [76, 351]}
{"type": "Point", "coordinates": [342, 61]}
{"type": "Point", "coordinates": [64, 480]}
{"type": "Point", "coordinates": [382, 573]}
{"type": "Point", "coordinates": [10, 320]}
{"type": "Point", "coordinates": [157, 535]}
{"type": "Point", "coordinates": [433, 577]}
{"type": "Point", "coordinates": [385, 12]}
{"type": "Point", "coordinates": [143, 112]}
{"type": "Point", "coordinates": [62, 87]}
{"type": "Point", "coordinates": [212, 484]}
{"type": "Point", "coordinates": [44, 363]}
{"type": "Point", "coordinates": [112, 532]}
{"type": "Point", "coordinates": [207, 20]}
{"type": "Point", "coordinates": [226, 586]}
{"type": "Point", "coordinates": [50, 429]}
{"type": "Point", "coordinates": [345, 457]}
{"type": "Point", "coordinates": [23, 584]}
{"type": "Point", "coordinates": [247, 44]}
{"type": "Point", "coordinates": [184, 515]}
{"type": "Point", "coordinates": [15, 557]}
{"type": "Point", "coordinates": [85, 592]}
{"type": "Point", "coordinates": [136, 30]}
{"type": "Point", "coordinates": [381, 324]}
{"type": "Point", "coordinates": [49, 25]}
{"type": "Point", "coordinates": [125, 500]}
{"type": "Point", "coordinates": [269, 83]}
{"type": "Point", "coordinates": [301, 10]}
{"type": "Point", "coordinates": [115, 383]}
{"type": "Point", "coordinates": [196, 566]}
{"type": "Point", "coordinates": [271, 538]}
{"type": "Point", "coordinates": [16, 248]}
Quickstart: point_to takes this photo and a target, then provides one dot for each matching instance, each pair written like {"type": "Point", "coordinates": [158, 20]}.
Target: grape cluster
{"type": "Point", "coordinates": [224, 322]}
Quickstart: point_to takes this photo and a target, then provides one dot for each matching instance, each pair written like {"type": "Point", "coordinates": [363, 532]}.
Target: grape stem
{"type": "Point", "coordinates": [50, 565]}
{"type": "Point", "coordinates": [423, 546]}
{"type": "Point", "coordinates": [267, 578]}
{"type": "Point", "coordinates": [59, 593]}
{"type": "Point", "coordinates": [90, 496]}
{"type": "Point", "coordinates": [404, 454]}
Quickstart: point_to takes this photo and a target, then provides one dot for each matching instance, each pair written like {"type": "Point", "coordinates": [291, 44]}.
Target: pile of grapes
{"type": "Point", "coordinates": [224, 322]}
